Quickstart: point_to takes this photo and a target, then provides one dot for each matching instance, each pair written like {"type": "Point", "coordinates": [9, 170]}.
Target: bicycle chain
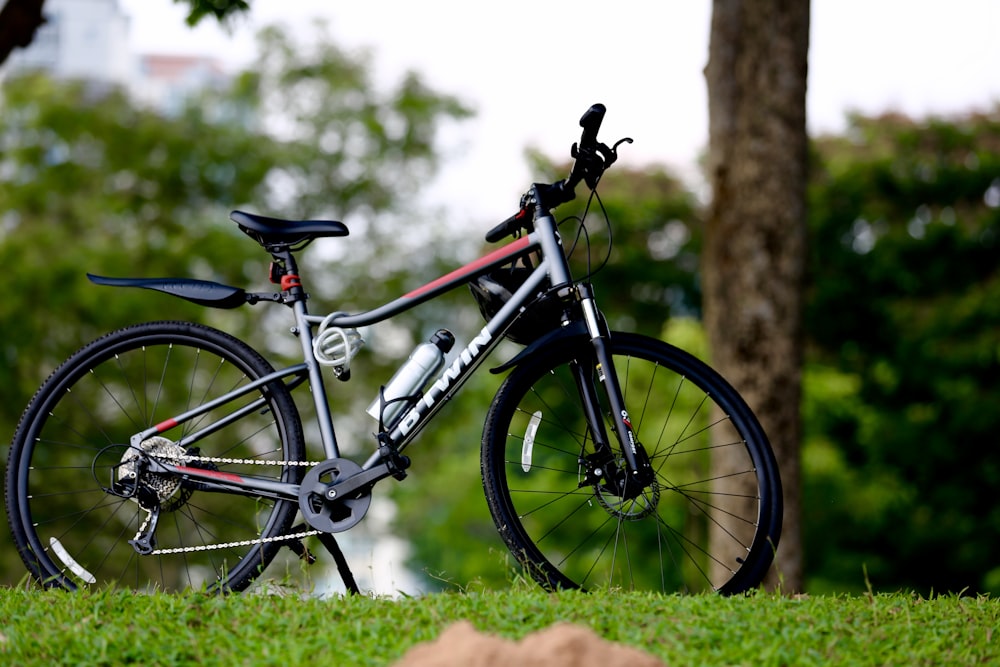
{"type": "Point", "coordinates": [228, 545]}
{"type": "Point", "coordinates": [256, 462]}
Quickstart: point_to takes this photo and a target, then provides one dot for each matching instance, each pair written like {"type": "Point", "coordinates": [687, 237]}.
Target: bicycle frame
{"type": "Point", "coordinates": [553, 265]}
{"type": "Point", "coordinates": [208, 497]}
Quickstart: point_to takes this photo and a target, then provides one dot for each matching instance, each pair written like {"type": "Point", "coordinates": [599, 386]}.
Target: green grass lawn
{"type": "Point", "coordinates": [116, 628]}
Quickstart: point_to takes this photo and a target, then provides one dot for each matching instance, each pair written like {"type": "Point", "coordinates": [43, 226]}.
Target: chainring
{"type": "Point", "coordinates": [332, 514]}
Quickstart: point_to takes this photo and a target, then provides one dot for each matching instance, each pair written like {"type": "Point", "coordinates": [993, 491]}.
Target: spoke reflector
{"type": "Point", "coordinates": [70, 562]}
{"type": "Point", "coordinates": [529, 440]}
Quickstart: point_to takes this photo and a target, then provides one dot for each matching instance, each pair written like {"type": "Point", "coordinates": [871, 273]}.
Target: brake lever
{"type": "Point", "coordinates": [611, 154]}
{"type": "Point", "coordinates": [593, 162]}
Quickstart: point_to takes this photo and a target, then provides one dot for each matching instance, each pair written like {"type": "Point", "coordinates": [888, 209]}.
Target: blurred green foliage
{"type": "Point", "coordinates": [223, 11]}
{"type": "Point", "coordinates": [902, 324]}
{"type": "Point", "coordinates": [903, 386]}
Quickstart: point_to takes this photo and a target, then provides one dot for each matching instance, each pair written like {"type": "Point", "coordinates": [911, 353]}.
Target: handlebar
{"type": "Point", "coordinates": [590, 160]}
{"type": "Point", "coordinates": [591, 124]}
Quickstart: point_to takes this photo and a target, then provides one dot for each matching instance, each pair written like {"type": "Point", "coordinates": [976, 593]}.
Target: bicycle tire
{"type": "Point", "coordinates": [696, 528]}
{"type": "Point", "coordinates": [72, 440]}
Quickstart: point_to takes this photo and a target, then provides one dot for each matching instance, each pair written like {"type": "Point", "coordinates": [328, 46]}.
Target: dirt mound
{"type": "Point", "coordinates": [560, 645]}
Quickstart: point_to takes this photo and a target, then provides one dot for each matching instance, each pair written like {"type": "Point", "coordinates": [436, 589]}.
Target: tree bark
{"type": "Point", "coordinates": [755, 238]}
{"type": "Point", "coordinates": [19, 19]}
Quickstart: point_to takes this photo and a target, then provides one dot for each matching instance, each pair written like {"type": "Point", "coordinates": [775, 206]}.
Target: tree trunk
{"type": "Point", "coordinates": [755, 237]}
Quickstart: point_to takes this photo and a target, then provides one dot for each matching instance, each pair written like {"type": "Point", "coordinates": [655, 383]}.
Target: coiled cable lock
{"type": "Point", "coordinates": [335, 347]}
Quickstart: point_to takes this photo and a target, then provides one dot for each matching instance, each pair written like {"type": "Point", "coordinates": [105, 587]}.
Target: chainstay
{"type": "Point", "coordinates": [241, 543]}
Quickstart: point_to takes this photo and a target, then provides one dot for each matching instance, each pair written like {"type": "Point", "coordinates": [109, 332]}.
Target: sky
{"type": "Point", "coordinates": [530, 69]}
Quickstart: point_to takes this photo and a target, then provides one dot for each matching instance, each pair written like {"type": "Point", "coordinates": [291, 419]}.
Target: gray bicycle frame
{"type": "Point", "coordinates": [553, 265]}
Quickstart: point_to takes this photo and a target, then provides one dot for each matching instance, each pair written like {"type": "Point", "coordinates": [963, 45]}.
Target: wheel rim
{"type": "Point", "coordinates": [79, 532]}
{"type": "Point", "coordinates": [696, 527]}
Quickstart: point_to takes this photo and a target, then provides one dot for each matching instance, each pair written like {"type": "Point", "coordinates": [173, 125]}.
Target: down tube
{"type": "Point", "coordinates": [469, 359]}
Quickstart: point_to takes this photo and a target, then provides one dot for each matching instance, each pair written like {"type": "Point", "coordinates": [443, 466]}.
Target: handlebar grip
{"type": "Point", "coordinates": [506, 228]}
{"type": "Point", "coordinates": [591, 124]}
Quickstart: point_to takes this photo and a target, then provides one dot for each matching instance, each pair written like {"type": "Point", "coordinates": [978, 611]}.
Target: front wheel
{"type": "Point", "coordinates": [709, 520]}
{"type": "Point", "coordinates": [78, 492]}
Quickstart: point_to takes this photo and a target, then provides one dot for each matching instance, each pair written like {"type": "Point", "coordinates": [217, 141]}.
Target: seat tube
{"type": "Point", "coordinates": [318, 389]}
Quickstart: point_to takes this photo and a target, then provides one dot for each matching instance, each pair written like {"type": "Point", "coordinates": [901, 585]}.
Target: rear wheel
{"type": "Point", "coordinates": [77, 492]}
{"type": "Point", "coordinates": [711, 518]}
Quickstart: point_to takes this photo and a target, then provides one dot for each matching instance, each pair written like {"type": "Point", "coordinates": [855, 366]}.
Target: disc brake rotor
{"type": "Point", "coordinates": [630, 509]}
{"type": "Point", "coordinates": [627, 506]}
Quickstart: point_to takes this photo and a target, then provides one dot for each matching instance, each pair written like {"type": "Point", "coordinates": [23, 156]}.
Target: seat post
{"type": "Point", "coordinates": [285, 272]}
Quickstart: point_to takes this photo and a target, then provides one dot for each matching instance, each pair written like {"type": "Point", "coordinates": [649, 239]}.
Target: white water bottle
{"type": "Point", "coordinates": [426, 360]}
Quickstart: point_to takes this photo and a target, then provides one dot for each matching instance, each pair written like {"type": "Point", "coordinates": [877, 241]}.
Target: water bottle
{"type": "Point", "coordinates": [426, 360]}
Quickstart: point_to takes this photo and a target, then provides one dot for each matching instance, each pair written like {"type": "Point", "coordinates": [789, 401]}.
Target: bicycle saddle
{"type": "Point", "coordinates": [275, 231]}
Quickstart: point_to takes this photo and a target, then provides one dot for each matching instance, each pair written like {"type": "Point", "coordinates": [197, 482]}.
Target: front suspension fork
{"type": "Point", "coordinates": [639, 473]}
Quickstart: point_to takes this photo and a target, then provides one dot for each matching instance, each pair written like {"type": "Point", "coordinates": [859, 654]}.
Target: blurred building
{"type": "Point", "coordinates": [166, 80]}
{"type": "Point", "coordinates": [80, 39]}
{"type": "Point", "coordinates": [89, 39]}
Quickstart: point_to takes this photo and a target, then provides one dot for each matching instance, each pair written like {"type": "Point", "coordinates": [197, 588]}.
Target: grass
{"type": "Point", "coordinates": [118, 628]}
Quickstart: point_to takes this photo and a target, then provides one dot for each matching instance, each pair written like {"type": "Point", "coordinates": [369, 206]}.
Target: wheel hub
{"type": "Point", "coordinates": [620, 495]}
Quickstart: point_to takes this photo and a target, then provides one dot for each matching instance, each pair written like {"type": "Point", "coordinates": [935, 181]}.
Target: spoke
{"type": "Point", "coordinates": [142, 374]}
{"type": "Point", "coordinates": [128, 386]}
{"type": "Point", "coordinates": [566, 518]}
{"type": "Point", "coordinates": [597, 559]}
{"type": "Point", "coordinates": [670, 411]}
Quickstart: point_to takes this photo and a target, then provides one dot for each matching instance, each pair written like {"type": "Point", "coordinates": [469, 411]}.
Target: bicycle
{"type": "Point", "coordinates": [168, 455]}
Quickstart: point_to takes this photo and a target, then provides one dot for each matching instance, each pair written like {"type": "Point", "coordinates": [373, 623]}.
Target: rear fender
{"type": "Point", "coordinates": [201, 292]}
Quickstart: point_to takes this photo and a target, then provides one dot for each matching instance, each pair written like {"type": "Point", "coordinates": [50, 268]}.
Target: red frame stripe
{"type": "Point", "coordinates": [510, 249]}
{"type": "Point", "coordinates": [217, 474]}
{"type": "Point", "coordinates": [165, 425]}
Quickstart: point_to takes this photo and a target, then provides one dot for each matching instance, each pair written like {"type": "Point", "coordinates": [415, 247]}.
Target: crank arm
{"type": "Point", "coordinates": [366, 478]}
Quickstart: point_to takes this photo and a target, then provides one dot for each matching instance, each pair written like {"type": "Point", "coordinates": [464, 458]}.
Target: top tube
{"type": "Point", "coordinates": [460, 276]}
